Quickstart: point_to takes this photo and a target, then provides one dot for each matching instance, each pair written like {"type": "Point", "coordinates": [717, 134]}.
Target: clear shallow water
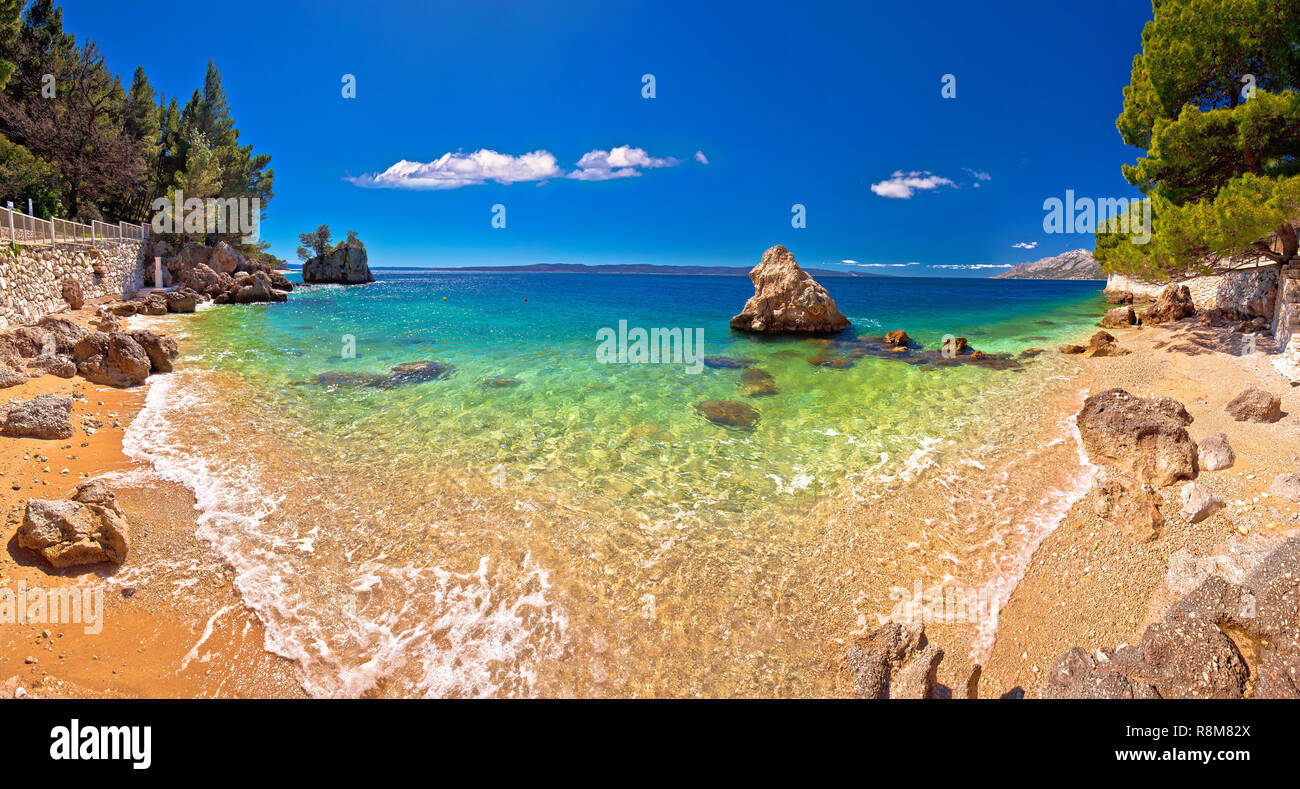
{"type": "Point", "coordinates": [585, 531]}
{"type": "Point", "coordinates": [628, 431]}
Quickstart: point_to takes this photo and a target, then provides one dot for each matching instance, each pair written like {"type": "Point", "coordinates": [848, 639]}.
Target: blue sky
{"type": "Point", "coordinates": [810, 103]}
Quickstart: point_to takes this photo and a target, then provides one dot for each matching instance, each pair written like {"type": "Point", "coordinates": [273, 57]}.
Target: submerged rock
{"type": "Point", "coordinates": [336, 380]}
{"type": "Point", "coordinates": [787, 300]}
{"type": "Point", "coordinates": [726, 363]}
{"type": "Point", "coordinates": [833, 362]}
{"type": "Point", "coordinates": [757, 383]}
{"type": "Point", "coordinates": [500, 382]}
{"type": "Point", "coordinates": [1145, 437]}
{"type": "Point", "coordinates": [728, 413]}
{"type": "Point", "coordinates": [418, 372]}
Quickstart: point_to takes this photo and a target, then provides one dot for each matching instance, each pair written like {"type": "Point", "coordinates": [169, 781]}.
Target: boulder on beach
{"type": "Point", "coordinates": [112, 359]}
{"type": "Point", "coordinates": [787, 300]}
{"type": "Point", "coordinates": [1173, 303]}
{"type": "Point", "coordinates": [73, 294]}
{"type": "Point", "coordinates": [1129, 504]}
{"type": "Point", "coordinates": [1224, 639]}
{"type": "Point", "coordinates": [894, 662]}
{"type": "Point", "coordinates": [60, 366]}
{"type": "Point", "coordinates": [728, 413]}
{"type": "Point", "coordinates": [1104, 344]}
{"type": "Point", "coordinates": [1144, 437]}
{"type": "Point", "coordinates": [88, 529]}
{"type": "Point", "coordinates": [161, 349]}
{"type": "Point", "coordinates": [1255, 405]}
{"type": "Point", "coordinates": [1286, 486]}
{"type": "Point", "coordinates": [45, 417]}
{"type": "Point", "coordinates": [1119, 318]}
{"type": "Point", "coordinates": [1215, 453]}
{"type": "Point", "coordinates": [10, 376]}
{"type": "Point", "coordinates": [1198, 502]}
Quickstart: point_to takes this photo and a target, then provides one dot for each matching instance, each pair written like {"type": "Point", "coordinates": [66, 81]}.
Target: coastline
{"type": "Point", "coordinates": [208, 642]}
{"type": "Point", "coordinates": [148, 630]}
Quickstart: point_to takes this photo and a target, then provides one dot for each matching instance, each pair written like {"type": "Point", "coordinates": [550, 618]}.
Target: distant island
{"type": "Point", "coordinates": [638, 268]}
{"type": "Point", "coordinates": [1076, 264]}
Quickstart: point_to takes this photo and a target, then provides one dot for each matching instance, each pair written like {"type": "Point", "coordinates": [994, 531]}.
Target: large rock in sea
{"type": "Point", "coordinates": [346, 265]}
{"type": "Point", "coordinates": [89, 529]}
{"type": "Point", "coordinates": [1144, 437]}
{"type": "Point", "coordinates": [786, 300]}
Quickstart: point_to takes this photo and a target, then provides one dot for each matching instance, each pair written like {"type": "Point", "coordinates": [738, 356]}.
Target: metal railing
{"type": "Point", "coordinates": [19, 228]}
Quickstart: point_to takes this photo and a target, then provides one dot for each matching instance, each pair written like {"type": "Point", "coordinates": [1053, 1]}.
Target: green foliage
{"type": "Point", "coordinates": [25, 176]}
{"type": "Point", "coordinates": [114, 151]}
{"type": "Point", "coordinates": [1221, 169]}
{"type": "Point", "coordinates": [316, 244]}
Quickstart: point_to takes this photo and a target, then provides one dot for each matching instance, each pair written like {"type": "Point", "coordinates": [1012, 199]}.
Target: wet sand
{"type": "Point", "coordinates": [176, 627]}
{"type": "Point", "coordinates": [148, 630]}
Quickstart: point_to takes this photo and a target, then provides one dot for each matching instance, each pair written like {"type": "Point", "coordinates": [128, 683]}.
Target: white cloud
{"type": "Point", "coordinates": [978, 175]}
{"type": "Point", "coordinates": [621, 162]}
{"type": "Point", "coordinates": [701, 158]}
{"type": "Point", "coordinates": [902, 185]}
{"type": "Point", "coordinates": [878, 265]}
{"type": "Point", "coordinates": [454, 170]}
{"type": "Point", "coordinates": [972, 265]}
{"type": "Point", "coordinates": [464, 169]}
{"type": "Point", "coordinates": [1024, 245]}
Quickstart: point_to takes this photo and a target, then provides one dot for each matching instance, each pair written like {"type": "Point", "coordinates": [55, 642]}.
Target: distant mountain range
{"type": "Point", "coordinates": [1076, 264]}
{"type": "Point", "coordinates": [638, 268]}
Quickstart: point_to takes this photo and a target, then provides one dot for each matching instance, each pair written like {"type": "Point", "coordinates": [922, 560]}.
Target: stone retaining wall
{"type": "Point", "coordinates": [1252, 291]}
{"type": "Point", "coordinates": [32, 277]}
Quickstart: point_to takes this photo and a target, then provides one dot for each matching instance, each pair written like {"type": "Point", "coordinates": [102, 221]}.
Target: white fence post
{"type": "Point", "coordinates": [12, 237]}
{"type": "Point", "coordinates": [54, 236]}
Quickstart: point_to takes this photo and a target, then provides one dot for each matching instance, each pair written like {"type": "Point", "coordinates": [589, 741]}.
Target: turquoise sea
{"type": "Point", "coordinates": [519, 518]}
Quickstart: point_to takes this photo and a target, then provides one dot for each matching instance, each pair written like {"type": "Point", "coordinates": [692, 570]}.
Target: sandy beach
{"type": "Point", "coordinates": [1059, 575]}
{"type": "Point", "coordinates": [153, 643]}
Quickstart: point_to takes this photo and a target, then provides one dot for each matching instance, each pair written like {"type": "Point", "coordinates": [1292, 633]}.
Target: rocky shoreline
{"type": "Point", "coordinates": [1185, 553]}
